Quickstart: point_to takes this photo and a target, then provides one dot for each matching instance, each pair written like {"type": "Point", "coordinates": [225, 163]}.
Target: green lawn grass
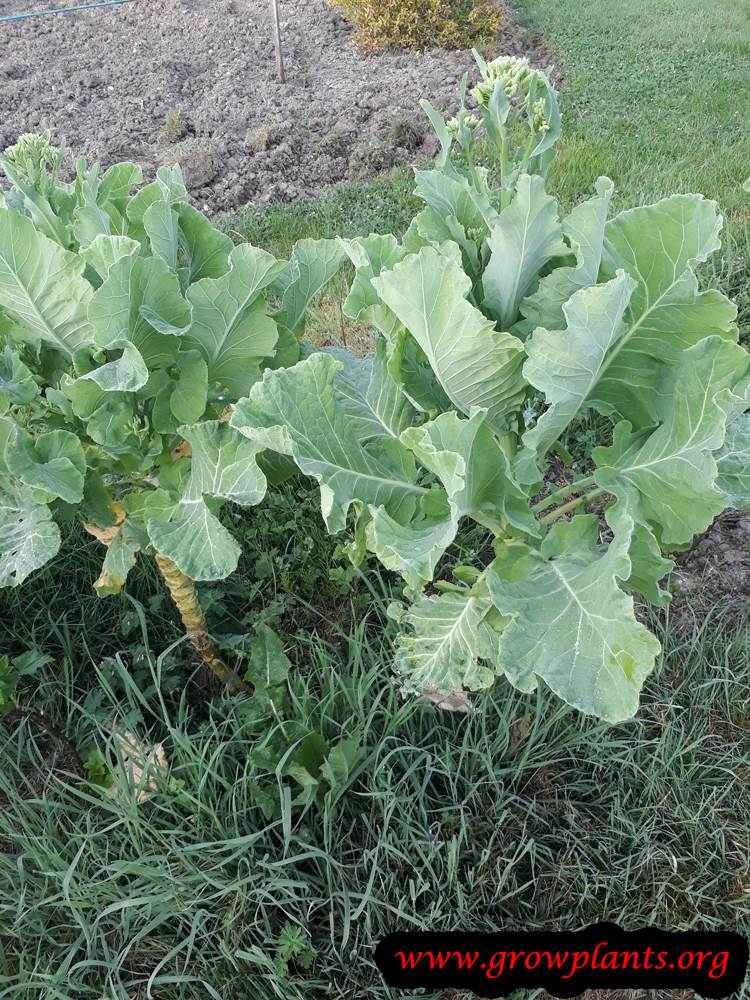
{"type": "Point", "coordinates": [655, 96]}
{"type": "Point", "coordinates": [522, 815]}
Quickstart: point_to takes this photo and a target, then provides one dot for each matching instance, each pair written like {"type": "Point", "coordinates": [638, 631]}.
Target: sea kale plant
{"type": "Point", "coordinates": [499, 325]}
{"type": "Point", "coordinates": [128, 327]}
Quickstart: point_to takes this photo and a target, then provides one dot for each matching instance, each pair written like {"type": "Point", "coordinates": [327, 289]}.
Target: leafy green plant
{"type": "Point", "coordinates": [288, 754]}
{"type": "Point", "coordinates": [499, 326]}
{"type": "Point", "coordinates": [293, 947]}
{"type": "Point", "coordinates": [422, 24]}
{"type": "Point", "coordinates": [12, 669]}
{"type": "Point", "coordinates": [130, 326]}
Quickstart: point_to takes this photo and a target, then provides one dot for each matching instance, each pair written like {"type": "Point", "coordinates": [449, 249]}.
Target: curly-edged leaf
{"type": "Point", "coordinates": [28, 536]}
{"type": "Point", "coordinates": [313, 264]}
{"type": "Point", "coordinates": [230, 326]}
{"type": "Point", "coordinates": [140, 301]}
{"type": "Point", "coordinates": [668, 478]}
{"type": "Point", "coordinates": [128, 373]}
{"type": "Point", "coordinates": [451, 196]}
{"type": "Point", "coordinates": [17, 385]}
{"type": "Point", "coordinates": [295, 412]}
{"type": "Point", "coordinates": [566, 364]}
{"type": "Point", "coordinates": [105, 251]}
{"type": "Point", "coordinates": [408, 366]}
{"type": "Point", "coordinates": [584, 230]}
{"type": "Point", "coordinates": [224, 464]}
{"type": "Point", "coordinates": [118, 561]}
{"type": "Point", "coordinates": [204, 249]}
{"type": "Point", "coordinates": [196, 541]}
{"type": "Point", "coordinates": [42, 286]}
{"type": "Point", "coordinates": [168, 186]}
{"type": "Point", "coordinates": [733, 462]}
{"type": "Point", "coordinates": [647, 565]}
{"type": "Point", "coordinates": [162, 226]}
{"type": "Point", "coordinates": [142, 506]}
{"type": "Point", "coordinates": [572, 625]}
{"type": "Point", "coordinates": [443, 641]}
{"type": "Point", "coordinates": [456, 211]}
{"type": "Point", "coordinates": [371, 255]}
{"type": "Point", "coordinates": [475, 365]}
{"type": "Point", "coordinates": [374, 399]}
{"type": "Point", "coordinates": [474, 470]}
{"type": "Point", "coordinates": [414, 549]}
{"type": "Point", "coordinates": [527, 236]}
{"type": "Point", "coordinates": [190, 394]}
{"type": "Point", "coordinates": [475, 474]}
{"type": "Point", "coordinates": [658, 245]}
{"type": "Point", "coordinates": [111, 424]}
{"type": "Point", "coordinates": [53, 462]}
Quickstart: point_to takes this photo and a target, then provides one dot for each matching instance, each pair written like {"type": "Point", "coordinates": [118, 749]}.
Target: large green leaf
{"type": "Point", "coordinates": [42, 286]}
{"type": "Point", "coordinates": [456, 210]}
{"type": "Point", "coordinates": [53, 462]}
{"type": "Point", "coordinates": [443, 641]}
{"type": "Point", "coordinates": [196, 541]}
{"type": "Point", "coordinates": [668, 477]}
{"type": "Point", "coordinates": [452, 197]}
{"type": "Point", "coordinates": [474, 472]}
{"type": "Point", "coordinates": [475, 365]}
{"type": "Point", "coordinates": [205, 250]}
{"type": "Point", "coordinates": [162, 225]}
{"type": "Point", "coordinates": [230, 326]}
{"type": "Point", "coordinates": [658, 245]}
{"type": "Point", "coordinates": [527, 235]}
{"type": "Point", "coordinates": [128, 373]}
{"type": "Point", "coordinates": [566, 364]}
{"type": "Point", "coordinates": [168, 186]}
{"type": "Point", "coordinates": [188, 399]}
{"type": "Point", "coordinates": [473, 469]}
{"type": "Point", "coordinates": [296, 412]}
{"type": "Point", "coordinates": [28, 536]}
{"type": "Point", "coordinates": [572, 625]}
{"type": "Point", "coordinates": [140, 302]}
{"type": "Point", "coordinates": [313, 264]}
{"type": "Point", "coordinates": [17, 384]}
{"type": "Point", "coordinates": [584, 230]}
{"type": "Point", "coordinates": [224, 464]}
{"type": "Point", "coordinates": [413, 549]}
{"type": "Point", "coordinates": [105, 251]}
{"type": "Point", "coordinates": [375, 400]}
{"type": "Point", "coordinates": [371, 255]}
{"type": "Point", "coordinates": [647, 565]}
{"type": "Point", "coordinates": [733, 462]}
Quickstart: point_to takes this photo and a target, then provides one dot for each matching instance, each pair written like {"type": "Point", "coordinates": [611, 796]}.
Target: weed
{"type": "Point", "coordinates": [406, 133]}
{"type": "Point", "coordinates": [174, 125]}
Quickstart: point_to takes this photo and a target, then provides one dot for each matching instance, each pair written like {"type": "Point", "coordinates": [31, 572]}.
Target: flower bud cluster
{"type": "Point", "coordinates": [453, 125]}
{"type": "Point", "coordinates": [512, 71]}
{"type": "Point", "coordinates": [538, 116]}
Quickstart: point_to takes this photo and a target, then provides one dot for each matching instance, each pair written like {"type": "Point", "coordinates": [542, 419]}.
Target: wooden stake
{"type": "Point", "coordinates": [277, 41]}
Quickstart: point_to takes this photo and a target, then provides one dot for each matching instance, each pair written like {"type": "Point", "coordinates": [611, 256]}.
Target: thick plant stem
{"type": "Point", "coordinates": [183, 593]}
{"type": "Point", "coordinates": [567, 507]}
{"type": "Point", "coordinates": [564, 491]}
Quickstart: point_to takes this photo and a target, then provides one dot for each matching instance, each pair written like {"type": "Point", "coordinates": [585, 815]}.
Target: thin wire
{"type": "Point", "coordinates": [63, 10]}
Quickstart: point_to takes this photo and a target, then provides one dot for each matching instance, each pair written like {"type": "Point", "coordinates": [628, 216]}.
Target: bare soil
{"type": "Point", "coordinates": [194, 81]}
